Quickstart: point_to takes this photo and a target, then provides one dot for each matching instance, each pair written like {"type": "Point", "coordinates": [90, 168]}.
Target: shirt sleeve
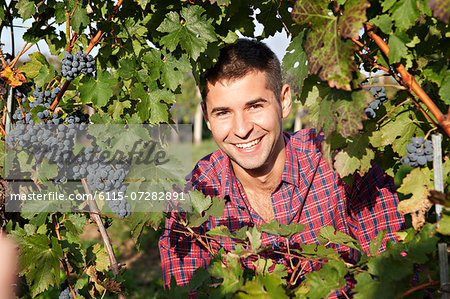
{"type": "Point", "coordinates": [372, 207]}
{"type": "Point", "coordinates": [180, 256]}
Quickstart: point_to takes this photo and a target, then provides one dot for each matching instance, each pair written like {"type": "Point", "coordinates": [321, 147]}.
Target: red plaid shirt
{"type": "Point", "coordinates": [309, 193]}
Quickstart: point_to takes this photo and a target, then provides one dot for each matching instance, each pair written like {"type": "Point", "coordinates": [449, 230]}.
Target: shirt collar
{"type": "Point", "coordinates": [291, 167]}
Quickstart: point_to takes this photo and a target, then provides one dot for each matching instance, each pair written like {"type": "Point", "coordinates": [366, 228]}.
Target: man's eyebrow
{"type": "Point", "coordinates": [256, 101]}
{"type": "Point", "coordinates": [219, 109]}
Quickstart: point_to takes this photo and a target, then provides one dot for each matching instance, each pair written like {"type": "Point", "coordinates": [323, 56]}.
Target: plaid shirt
{"type": "Point", "coordinates": [309, 193]}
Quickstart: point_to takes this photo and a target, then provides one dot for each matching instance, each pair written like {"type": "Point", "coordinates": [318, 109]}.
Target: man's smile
{"type": "Point", "coordinates": [248, 145]}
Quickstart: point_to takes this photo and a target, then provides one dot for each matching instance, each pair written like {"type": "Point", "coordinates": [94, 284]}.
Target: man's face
{"type": "Point", "coordinates": [245, 119]}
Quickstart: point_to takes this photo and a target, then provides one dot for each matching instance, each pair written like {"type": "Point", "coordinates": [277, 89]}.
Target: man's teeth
{"type": "Point", "coordinates": [247, 145]}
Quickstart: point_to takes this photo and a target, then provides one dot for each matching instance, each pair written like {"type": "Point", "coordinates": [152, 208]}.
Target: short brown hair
{"type": "Point", "coordinates": [241, 58]}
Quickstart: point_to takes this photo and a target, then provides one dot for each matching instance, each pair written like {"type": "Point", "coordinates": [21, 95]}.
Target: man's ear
{"type": "Point", "coordinates": [285, 101]}
{"type": "Point", "coordinates": [205, 114]}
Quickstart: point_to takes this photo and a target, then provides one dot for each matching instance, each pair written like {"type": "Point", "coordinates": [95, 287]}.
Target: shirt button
{"type": "Point", "coordinates": [281, 244]}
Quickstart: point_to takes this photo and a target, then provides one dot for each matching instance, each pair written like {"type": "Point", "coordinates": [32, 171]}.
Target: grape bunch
{"type": "Point", "coordinates": [103, 176]}
{"type": "Point", "coordinates": [418, 152]}
{"type": "Point", "coordinates": [42, 99]}
{"type": "Point", "coordinates": [74, 65]}
{"type": "Point", "coordinates": [380, 95]}
{"type": "Point", "coordinates": [65, 292]}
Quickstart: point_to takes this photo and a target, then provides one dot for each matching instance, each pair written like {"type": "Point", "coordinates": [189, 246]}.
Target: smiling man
{"type": "Point", "coordinates": [266, 175]}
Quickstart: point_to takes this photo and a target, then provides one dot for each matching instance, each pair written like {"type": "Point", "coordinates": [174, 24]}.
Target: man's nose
{"type": "Point", "coordinates": [243, 126]}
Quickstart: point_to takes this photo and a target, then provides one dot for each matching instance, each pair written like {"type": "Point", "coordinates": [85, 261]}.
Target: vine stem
{"type": "Point", "coordinates": [409, 81]}
{"type": "Point", "coordinates": [384, 85]}
{"type": "Point", "coordinates": [92, 44]}
{"type": "Point", "coordinates": [106, 240]}
{"type": "Point", "coordinates": [64, 260]}
{"type": "Point", "coordinates": [419, 287]}
{"type": "Point", "coordinates": [387, 114]}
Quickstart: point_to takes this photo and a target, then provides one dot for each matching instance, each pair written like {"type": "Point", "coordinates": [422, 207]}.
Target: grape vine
{"type": "Point", "coordinates": [141, 52]}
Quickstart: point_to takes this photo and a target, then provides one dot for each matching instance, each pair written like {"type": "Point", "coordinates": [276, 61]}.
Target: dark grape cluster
{"type": "Point", "coordinates": [65, 292]}
{"type": "Point", "coordinates": [380, 95]}
{"type": "Point", "coordinates": [42, 99]}
{"type": "Point", "coordinates": [74, 65]}
{"type": "Point", "coordinates": [56, 143]}
{"type": "Point", "coordinates": [103, 176]}
{"type": "Point", "coordinates": [418, 152]}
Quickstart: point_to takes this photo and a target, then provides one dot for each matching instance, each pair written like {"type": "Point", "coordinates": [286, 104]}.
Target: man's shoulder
{"type": "Point", "coordinates": [209, 169]}
{"type": "Point", "coordinates": [306, 139]}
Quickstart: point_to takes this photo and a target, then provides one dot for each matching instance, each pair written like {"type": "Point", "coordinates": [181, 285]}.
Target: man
{"type": "Point", "coordinates": [266, 175]}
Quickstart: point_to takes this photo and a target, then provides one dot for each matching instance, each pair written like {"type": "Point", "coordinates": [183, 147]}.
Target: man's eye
{"type": "Point", "coordinates": [221, 113]}
{"type": "Point", "coordinates": [255, 106]}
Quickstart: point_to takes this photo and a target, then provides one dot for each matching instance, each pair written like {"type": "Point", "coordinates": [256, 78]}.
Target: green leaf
{"type": "Point", "coordinates": [192, 32]}
{"type": "Point", "coordinates": [80, 19]}
{"type": "Point", "coordinates": [397, 49]}
{"type": "Point", "coordinates": [127, 68]}
{"type": "Point", "coordinates": [255, 238]}
{"type": "Point", "coordinates": [405, 13]}
{"type": "Point", "coordinates": [97, 91]}
{"type": "Point", "coordinates": [384, 22]}
{"type": "Point", "coordinates": [26, 8]}
{"type": "Point", "coordinates": [220, 231]}
{"type": "Point", "coordinates": [32, 68]}
{"type": "Point", "coordinates": [329, 55]}
{"type": "Point", "coordinates": [330, 234]}
{"type": "Point", "coordinates": [153, 105]}
{"type": "Point", "coordinates": [444, 91]}
{"type": "Point", "coordinates": [172, 70]}
{"type": "Point", "coordinates": [419, 191]}
{"type": "Point", "coordinates": [366, 286]}
{"type": "Point", "coordinates": [353, 17]}
{"type": "Point", "coordinates": [376, 243]}
{"type": "Point", "coordinates": [327, 280]}
{"type": "Point", "coordinates": [116, 108]}
{"type": "Point", "coordinates": [295, 62]}
{"type": "Point", "coordinates": [356, 156]}
{"type": "Point", "coordinates": [444, 224]}
{"type": "Point", "coordinates": [440, 9]}
{"type": "Point", "coordinates": [60, 12]}
{"type": "Point", "coordinates": [46, 74]}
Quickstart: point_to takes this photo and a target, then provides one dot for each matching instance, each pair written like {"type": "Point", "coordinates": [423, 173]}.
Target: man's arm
{"type": "Point", "coordinates": [372, 207]}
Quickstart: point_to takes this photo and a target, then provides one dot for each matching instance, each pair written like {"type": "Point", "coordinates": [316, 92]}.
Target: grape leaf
{"type": "Point", "coordinates": [444, 91]}
{"type": "Point", "coordinates": [220, 231]}
{"type": "Point", "coordinates": [405, 13]}
{"type": "Point", "coordinates": [397, 49]}
{"type": "Point", "coordinates": [444, 224]}
{"type": "Point", "coordinates": [330, 234]}
{"type": "Point", "coordinates": [32, 68]}
{"type": "Point", "coordinates": [352, 19]}
{"type": "Point", "coordinates": [116, 108]}
{"type": "Point", "coordinates": [268, 15]}
{"type": "Point", "coordinates": [172, 70]}
{"type": "Point", "coordinates": [384, 22]}
{"type": "Point", "coordinates": [295, 62]}
{"type": "Point", "coordinates": [376, 243]}
{"type": "Point", "coordinates": [192, 32]}
{"type": "Point", "coordinates": [329, 55]}
{"type": "Point", "coordinates": [26, 8]}
{"type": "Point", "coordinates": [324, 282]}
{"type": "Point", "coordinates": [366, 286]}
{"type": "Point", "coordinates": [356, 156]}
{"type": "Point", "coordinates": [418, 204]}
{"type": "Point", "coordinates": [80, 19]}
{"type": "Point", "coordinates": [153, 105]}
{"type": "Point", "coordinates": [127, 68]}
{"type": "Point", "coordinates": [440, 9]}
{"type": "Point", "coordinates": [97, 91]}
